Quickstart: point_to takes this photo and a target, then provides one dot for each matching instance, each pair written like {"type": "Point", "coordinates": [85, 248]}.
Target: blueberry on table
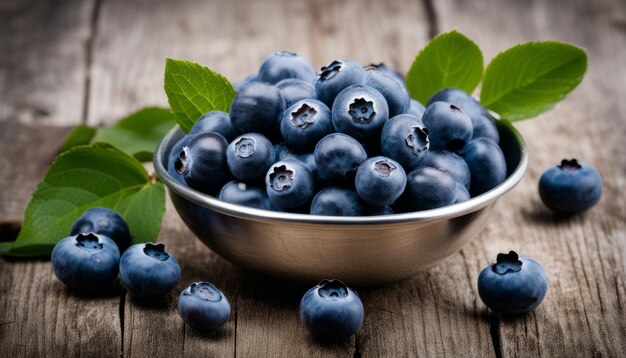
{"type": "Point", "coordinates": [417, 109]}
{"type": "Point", "coordinates": [249, 156]}
{"type": "Point", "coordinates": [294, 90]}
{"type": "Point", "coordinates": [395, 93]}
{"type": "Point", "coordinates": [215, 121]}
{"type": "Point", "coordinates": [380, 181]}
{"type": "Point", "coordinates": [429, 188]}
{"type": "Point", "coordinates": [305, 123]}
{"type": "Point", "coordinates": [238, 192]}
{"type": "Point", "coordinates": [512, 285]}
{"type": "Point", "coordinates": [448, 127]}
{"type": "Point", "coordinates": [103, 221]}
{"type": "Point", "coordinates": [289, 184]}
{"type": "Point", "coordinates": [257, 108]}
{"type": "Point", "coordinates": [360, 112]}
{"type": "Point", "coordinates": [337, 155]}
{"type": "Point", "coordinates": [148, 271]}
{"type": "Point", "coordinates": [284, 64]}
{"type": "Point", "coordinates": [486, 163]}
{"type": "Point", "coordinates": [336, 76]}
{"type": "Point", "coordinates": [202, 162]}
{"type": "Point", "coordinates": [86, 262]}
{"type": "Point", "coordinates": [204, 307]}
{"type": "Point", "coordinates": [571, 187]}
{"type": "Point", "coordinates": [451, 162]}
{"type": "Point", "coordinates": [405, 140]}
{"type": "Point", "coordinates": [335, 201]}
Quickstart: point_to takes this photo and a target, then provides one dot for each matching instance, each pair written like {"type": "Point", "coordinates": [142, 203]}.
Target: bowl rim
{"type": "Point", "coordinates": [243, 212]}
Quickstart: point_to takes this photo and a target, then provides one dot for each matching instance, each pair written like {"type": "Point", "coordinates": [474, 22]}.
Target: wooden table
{"type": "Point", "coordinates": [93, 61]}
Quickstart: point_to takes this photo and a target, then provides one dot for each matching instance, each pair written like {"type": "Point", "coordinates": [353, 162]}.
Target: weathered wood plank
{"type": "Point", "coordinates": [585, 256]}
{"type": "Point", "coordinates": [43, 57]}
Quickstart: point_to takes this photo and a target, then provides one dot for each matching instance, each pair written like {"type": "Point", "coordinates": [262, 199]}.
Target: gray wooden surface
{"type": "Point", "coordinates": [93, 61]}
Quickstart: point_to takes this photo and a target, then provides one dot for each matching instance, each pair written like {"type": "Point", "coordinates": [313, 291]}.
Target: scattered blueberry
{"type": "Point", "coordinates": [289, 184]}
{"type": "Point", "coordinates": [360, 112]}
{"type": "Point", "coordinates": [335, 201]}
{"type": "Point", "coordinates": [214, 121]}
{"type": "Point", "coordinates": [571, 187]}
{"type": "Point", "coordinates": [337, 154]}
{"type": "Point", "coordinates": [450, 162]}
{"type": "Point", "coordinates": [203, 306]}
{"type": "Point", "coordinates": [417, 109]}
{"type": "Point", "coordinates": [331, 310]}
{"type": "Point", "coordinates": [512, 285]}
{"type": "Point", "coordinates": [405, 140]}
{"type": "Point", "coordinates": [86, 262]}
{"type": "Point", "coordinates": [305, 123]}
{"type": "Point", "coordinates": [396, 95]}
{"type": "Point", "coordinates": [103, 221]}
{"type": "Point", "coordinates": [249, 156]}
{"type": "Point", "coordinates": [237, 192]}
{"type": "Point", "coordinates": [257, 108]}
{"type": "Point", "coordinates": [336, 76]}
{"type": "Point", "coordinates": [429, 188]}
{"type": "Point", "coordinates": [380, 181]}
{"type": "Point", "coordinates": [294, 90]}
{"type": "Point", "coordinates": [486, 163]}
{"type": "Point", "coordinates": [202, 162]}
{"type": "Point", "coordinates": [448, 127]}
{"type": "Point", "coordinates": [147, 270]}
{"type": "Point", "coordinates": [284, 64]}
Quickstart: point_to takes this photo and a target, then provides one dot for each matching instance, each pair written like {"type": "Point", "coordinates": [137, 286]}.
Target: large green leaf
{"type": "Point", "coordinates": [531, 78]}
{"type": "Point", "coordinates": [449, 60]}
{"type": "Point", "coordinates": [192, 90]}
{"type": "Point", "coordinates": [98, 175]}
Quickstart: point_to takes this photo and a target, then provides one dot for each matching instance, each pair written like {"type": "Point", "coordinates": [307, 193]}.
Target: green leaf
{"type": "Point", "coordinates": [449, 60]}
{"type": "Point", "coordinates": [531, 78]}
{"type": "Point", "coordinates": [80, 135]}
{"type": "Point", "coordinates": [192, 90]}
{"type": "Point", "coordinates": [86, 177]}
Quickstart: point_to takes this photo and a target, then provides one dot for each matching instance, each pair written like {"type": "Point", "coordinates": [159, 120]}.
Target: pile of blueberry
{"type": "Point", "coordinates": [349, 141]}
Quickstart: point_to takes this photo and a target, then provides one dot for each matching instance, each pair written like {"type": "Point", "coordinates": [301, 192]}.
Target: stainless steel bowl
{"type": "Point", "coordinates": [358, 250]}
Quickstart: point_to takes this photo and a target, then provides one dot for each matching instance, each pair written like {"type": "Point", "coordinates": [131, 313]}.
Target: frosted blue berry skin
{"type": "Point", "coordinates": [396, 95]}
{"type": "Point", "coordinates": [257, 108]}
{"type": "Point", "coordinates": [249, 156]}
{"type": "Point", "coordinates": [448, 127]}
{"type": "Point", "coordinates": [462, 194]}
{"type": "Point", "coordinates": [86, 262]}
{"type": "Point", "coordinates": [289, 184]}
{"type": "Point", "coordinates": [571, 187]}
{"type": "Point", "coordinates": [380, 181]}
{"type": "Point", "coordinates": [148, 271]}
{"type": "Point", "coordinates": [331, 310]}
{"type": "Point", "coordinates": [452, 163]}
{"type": "Point", "coordinates": [405, 140]}
{"type": "Point", "coordinates": [203, 306]}
{"type": "Point", "coordinates": [361, 112]}
{"type": "Point", "coordinates": [173, 156]}
{"type": "Point", "coordinates": [249, 79]}
{"type": "Point", "coordinates": [334, 201]}
{"type": "Point", "coordinates": [338, 155]}
{"type": "Point", "coordinates": [305, 123]}
{"type": "Point", "coordinates": [388, 71]}
{"type": "Point", "coordinates": [335, 77]}
{"type": "Point", "coordinates": [215, 121]}
{"type": "Point", "coordinates": [486, 163]}
{"type": "Point", "coordinates": [417, 109]}
{"type": "Point", "coordinates": [283, 65]}
{"type": "Point", "coordinates": [513, 285]}
{"type": "Point", "coordinates": [106, 222]}
{"type": "Point", "coordinates": [294, 90]}
{"type": "Point", "coordinates": [238, 192]}
{"type": "Point", "coordinates": [202, 162]}
{"type": "Point", "coordinates": [378, 210]}
{"type": "Point", "coordinates": [429, 188]}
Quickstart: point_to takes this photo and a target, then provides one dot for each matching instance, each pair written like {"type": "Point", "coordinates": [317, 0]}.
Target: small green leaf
{"type": "Point", "coordinates": [5, 246]}
{"type": "Point", "coordinates": [86, 177]}
{"type": "Point", "coordinates": [449, 60]}
{"type": "Point", "coordinates": [80, 135]}
{"type": "Point", "coordinates": [531, 78]}
{"type": "Point", "coordinates": [192, 90]}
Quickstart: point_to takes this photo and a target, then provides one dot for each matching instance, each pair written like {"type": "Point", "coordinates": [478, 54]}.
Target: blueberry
{"type": "Point", "coordinates": [396, 95]}
{"type": "Point", "coordinates": [215, 121]}
{"type": "Point", "coordinates": [448, 127]}
{"type": "Point", "coordinates": [461, 193]}
{"type": "Point", "coordinates": [237, 192]}
{"type": "Point", "coordinates": [429, 188]}
{"type": "Point", "coordinates": [305, 123]}
{"type": "Point", "coordinates": [417, 109]}
{"type": "Point", "coordinates": [380, 181]}
{"type": "Point", "coordinates": [378, 210]}
{"type": "Point", "coordinates": [284, 64]}
{"type": "Point", "coordinates": [86, 262]}
{"type": "Point", "coordinates": [294, 90]}
{"type": "Point", "coordinates": [289, 184]}
{"type": "Point", "coordinates": [486, 163]}
{"type": "Point", "coordinates": [451, 162]}
{"type": "Point", "coordinates": [336, 76]}
{"type": "Point", "coordinates": [481, 122]}
{"type": "Point", "coordinates": [249, 79]}
{"type": "Point", "coordinates": [512, 285]}
{"type": "Point", "coordinates": [147, 270]}
{"type": "Point", "coordinates": [202, 162]}
{"type": "Point", "coordinates": [335, 201]}
{"type": "Point", "coordinates": [571, 187]}
{"type": "Point", "coordinates": [405, 140]}
{"type": "Point", "coordinates": [360, 112]}
{"type": "Point", "coordinates": [203, 306]}
{"type": "Point", "coordinates": [249, 156]}
{"type": "Point", "coordinates": [388, 71]}
{"type": "Point", "coordinates": [257, 108]}
{"type": "Point", "coordinates": [173, 155]}
{"type": "Point", "coordinates": [331, 310]}
{"type": "Point", "coordinates": [103, 221]}
{"type": "Point", "coordinates": [336, 155]}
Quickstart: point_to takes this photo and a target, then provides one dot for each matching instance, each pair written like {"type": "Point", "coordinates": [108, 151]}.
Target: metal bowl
{"type": "Point", "coordinates": [367, 250]}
